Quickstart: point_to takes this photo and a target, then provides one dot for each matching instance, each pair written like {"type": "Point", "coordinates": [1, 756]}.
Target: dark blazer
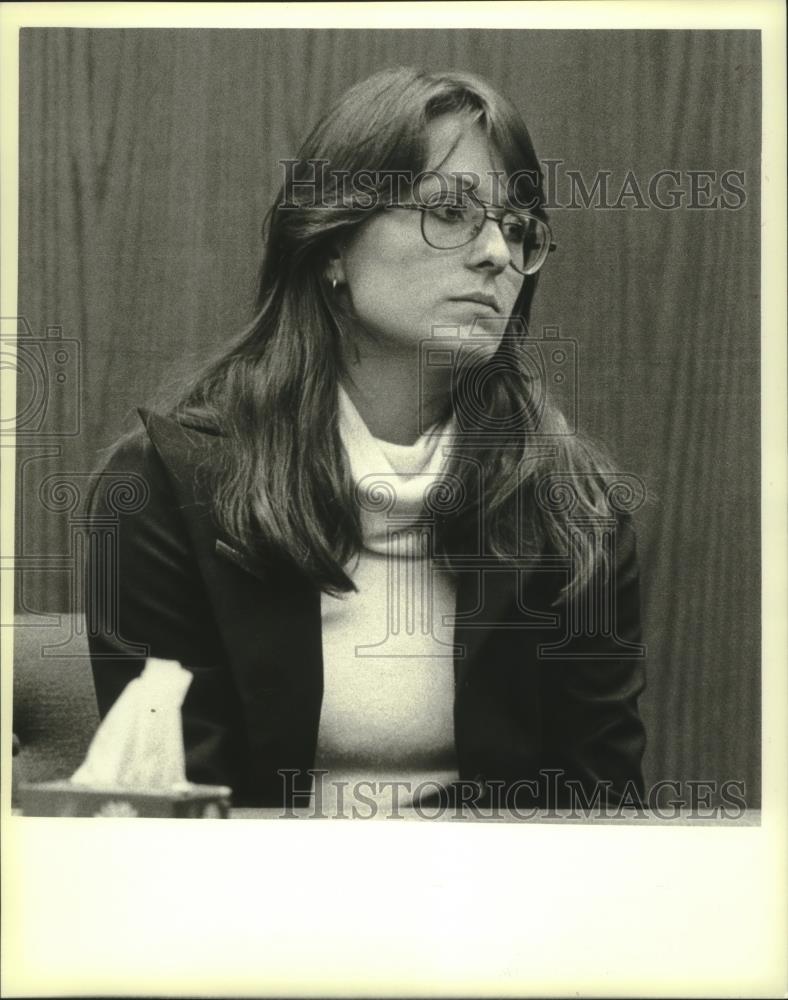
{"type": "Point", "coordinates": [541, 702]}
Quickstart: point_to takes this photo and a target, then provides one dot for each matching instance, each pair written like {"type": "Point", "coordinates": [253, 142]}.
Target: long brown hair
{"type": "Point", "coordinates": [283, 483]}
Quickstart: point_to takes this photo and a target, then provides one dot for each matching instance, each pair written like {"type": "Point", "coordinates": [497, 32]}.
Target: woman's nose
{"type": "Point", "coordinates": [489, 248]}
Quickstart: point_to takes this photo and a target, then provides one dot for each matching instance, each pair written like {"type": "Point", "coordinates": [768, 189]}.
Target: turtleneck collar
{"type": "Point", "coordinates": [391, 480]}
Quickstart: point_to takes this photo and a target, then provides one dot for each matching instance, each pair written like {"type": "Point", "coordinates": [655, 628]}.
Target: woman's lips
{"type": "Point", "coordinates": [479, 300]}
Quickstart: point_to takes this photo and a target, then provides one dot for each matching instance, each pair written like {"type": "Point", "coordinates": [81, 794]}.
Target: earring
{"type": "Point", "coordinates": [333, 284]}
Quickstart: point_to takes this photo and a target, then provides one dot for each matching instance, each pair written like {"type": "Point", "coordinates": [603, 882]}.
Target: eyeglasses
{"type": "Point", "coordinates": [449, 223]}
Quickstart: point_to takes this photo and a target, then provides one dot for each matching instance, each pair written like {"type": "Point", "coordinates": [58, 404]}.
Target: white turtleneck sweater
{"type": "Point", "coordinates": [388, 664]}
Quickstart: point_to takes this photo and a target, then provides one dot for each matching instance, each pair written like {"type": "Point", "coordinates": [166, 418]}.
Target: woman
{"type": "Point", "coordinates": [365, 528]}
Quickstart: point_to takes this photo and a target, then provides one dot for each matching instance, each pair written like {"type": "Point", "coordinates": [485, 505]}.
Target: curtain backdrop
{"type": "Point", "coordinates": [148, 159]}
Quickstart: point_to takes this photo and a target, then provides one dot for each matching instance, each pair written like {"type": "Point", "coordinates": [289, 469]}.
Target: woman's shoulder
{"type": "Point", "coordinates": [160, 455]}
{"type": "Point", "coordinates": [164, 434]}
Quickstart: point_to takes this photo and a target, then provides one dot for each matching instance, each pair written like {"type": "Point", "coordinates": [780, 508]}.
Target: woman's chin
{"type": "Point", "coordinates": [482, 333]}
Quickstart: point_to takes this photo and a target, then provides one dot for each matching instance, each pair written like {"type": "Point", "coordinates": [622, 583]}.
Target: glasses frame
{"type": "Point", "coordinates": [549, 246]}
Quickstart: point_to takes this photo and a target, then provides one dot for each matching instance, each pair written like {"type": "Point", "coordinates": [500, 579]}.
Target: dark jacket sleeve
{"type": "Point", "coordinates": [593, 736]}
{"type": "Point", "coordinates": [144, 598]}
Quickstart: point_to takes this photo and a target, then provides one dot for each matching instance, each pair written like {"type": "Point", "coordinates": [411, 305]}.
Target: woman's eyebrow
{"type": "Point", "coordinates": [465, 180]}
{"type": "Point", "coordinates": [501, 204]}
{"type": "Point", "coordinates": [470, 182]}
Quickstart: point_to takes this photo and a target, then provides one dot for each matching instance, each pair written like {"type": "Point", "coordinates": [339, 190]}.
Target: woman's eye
{"type": "Point", "coordinates": [514, 230]}
{"type": "Point", "coordinates": [449, 212]}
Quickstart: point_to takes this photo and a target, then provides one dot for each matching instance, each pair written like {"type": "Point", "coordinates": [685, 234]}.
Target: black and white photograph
{"type": "Point", "coordinates": [386, 443]}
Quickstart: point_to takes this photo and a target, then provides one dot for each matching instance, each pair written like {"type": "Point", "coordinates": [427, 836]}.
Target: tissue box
{"type": "Point", "coordinates": [62, 798]}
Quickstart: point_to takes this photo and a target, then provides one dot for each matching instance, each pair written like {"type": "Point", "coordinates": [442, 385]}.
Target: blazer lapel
{"type": "Point", "coordinates": [268, 614]}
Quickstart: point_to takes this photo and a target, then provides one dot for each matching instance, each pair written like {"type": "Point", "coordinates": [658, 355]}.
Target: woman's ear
{"type": "Point", "coordinates": [335, 271]}
{"type": "Point", "coordinates": [335, 268]}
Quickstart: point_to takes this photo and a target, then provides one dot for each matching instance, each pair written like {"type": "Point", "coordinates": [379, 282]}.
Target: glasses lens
{"type": "Point", "coordinates": [452, 222]}
{"type": "Point", "coordinates": [528, 240]}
